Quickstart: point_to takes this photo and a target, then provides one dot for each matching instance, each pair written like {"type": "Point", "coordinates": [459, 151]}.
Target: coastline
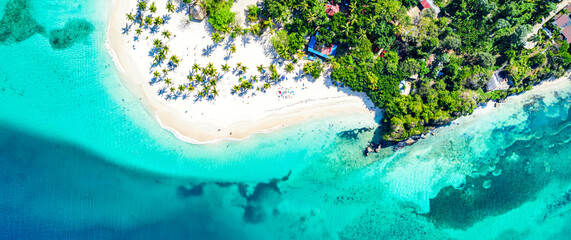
{"type": "Point", "coordinates": [221, 127]}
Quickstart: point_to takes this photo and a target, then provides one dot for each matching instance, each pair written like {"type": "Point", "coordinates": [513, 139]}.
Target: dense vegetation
{"type": "Point", "coordinates": [454, 54]}
{"type": "Point", "coordinates": [447, 58]}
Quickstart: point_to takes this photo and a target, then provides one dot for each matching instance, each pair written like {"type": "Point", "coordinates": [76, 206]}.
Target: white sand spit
{"type": "Point", "coordinates": [228, 116]}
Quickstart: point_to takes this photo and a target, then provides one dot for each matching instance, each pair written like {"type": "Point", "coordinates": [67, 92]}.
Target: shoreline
{"type": "Point", "coordinates": [282, 115]}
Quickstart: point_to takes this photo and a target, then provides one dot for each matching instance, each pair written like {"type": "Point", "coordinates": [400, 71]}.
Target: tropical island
{"type": "Point", "coordinates": [227, 67]}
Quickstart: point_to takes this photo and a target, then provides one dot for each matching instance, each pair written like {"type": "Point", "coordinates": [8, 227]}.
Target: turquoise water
{"type": "Point", "coordinates": [81, 159]}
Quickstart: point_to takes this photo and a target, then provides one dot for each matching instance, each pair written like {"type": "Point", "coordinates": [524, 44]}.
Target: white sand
{"type": "Point", "coordinates": [228, 116]}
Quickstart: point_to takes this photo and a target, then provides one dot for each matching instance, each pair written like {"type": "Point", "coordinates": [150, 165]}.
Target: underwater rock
{"type": "Point", "coordinates": [497, 172]}
{"type": "Point", "coordinates": [487, 184]}
{"type": "Point", "coordinates": [17, 23]}
{"type": "Point", "coordinates": [196, 190]}
{"type": "Point", "coordinates": [73, 31]}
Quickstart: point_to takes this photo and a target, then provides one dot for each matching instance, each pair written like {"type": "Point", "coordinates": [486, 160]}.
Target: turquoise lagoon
{"type": "Point", "coordinates": [81, 159]}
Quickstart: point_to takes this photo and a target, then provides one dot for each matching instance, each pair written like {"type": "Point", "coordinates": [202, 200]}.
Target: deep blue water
{"type": "Point", "coordinates": [81, 159]}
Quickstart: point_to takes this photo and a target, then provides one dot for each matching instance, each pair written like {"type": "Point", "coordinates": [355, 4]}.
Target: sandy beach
{"type": "Point", "coordinates": [295, 99]}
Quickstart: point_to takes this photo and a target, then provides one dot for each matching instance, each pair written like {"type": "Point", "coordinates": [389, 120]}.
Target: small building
{"type": "Point", "coordinates": [430, 4]}
{"type": "Point", "coordinates": [413, 12]}
{"type": "Point", "coordinates": [499, 81]}
{"type": "Point", "coordinates": [563, 22]}
{"type": "Point", "coordinates": [325, 52]}
{"type": "Point", "coordinates": [405, 87]}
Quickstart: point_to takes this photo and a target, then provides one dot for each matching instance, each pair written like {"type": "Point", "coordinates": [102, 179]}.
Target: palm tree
{"type": "Point", "coordinates": [153, 8]}
{"type": "Point", "coordinates": [195, 67]}
{"type": "Point", "coordinates": [300, 54]}
{"type": "Point", "coordinates": [216, 37]}
{"type": "Point", "coordinates": [190, 88]}
{"type": "Point", "coordinates": [270, 24]}
{"type": "Point", "coordinates": [243, 68]}
{"type": "Point", "coordinates": [210, 65]}
{"type": "Point", "coordinates": [214, 91]}
{"type": "Point", "coordinates": [181, 88]}
{"type": "Point", "coordinates": [236, 88]}
{"type": "Point", "coordinates": [225, 68]}
{"type": "Point", "coordinates": [158, 20]}
{"type": "Point", "coordinates": [289, 68]}
{"type": "Point", "coordinates": [175, 60]}
{"type": "Point", "coordinates": [255, 78]}
{"type": "Point", "coordinates": [167, 34]}
{"type": "Point", "coordinates": [157, 74]}
{"type": "Point", "coordinates": [238, 66]}
{"type": "Point", "coordinates": [138, 31]}
{"type": "Point", "coordinates": [168, 81]}
{"type": "Point", "coordinates": [148, 21]}
{"type": "Point", "coordinates": [272, 68]}
{"type": "Point", "coordinates": [275, 76]}
{"type": "Point", "coordinates": [130, 17]}
{"type": "Point", "coordinates": [233, 48]}
{"type": "Point", "coordinates": [198, 78]}
{"type": "Point", "coordinates": [157, 43]}
{"type": "Point", "coordinates": [170, 7]}
{"type": "Point", "coordinates": [172, 89]}
{"type": "Point", "coordinates": [261, 68]}
{"type": "Point", "coordinates": [142, 5]}
{"type": "Point", "coordinates": [166, 71]}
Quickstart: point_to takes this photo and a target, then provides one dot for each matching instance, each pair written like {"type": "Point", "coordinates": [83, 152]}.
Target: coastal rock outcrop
{"type": "Point", "coordinates": [197, 13]}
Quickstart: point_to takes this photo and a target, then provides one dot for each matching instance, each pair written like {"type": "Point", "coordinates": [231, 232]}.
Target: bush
{"type": "Point", "coordinates": [253, 11]}
{"type": "Point", "coordinates": [280, 42]}
{"type": "Point", "coordinates": [536, 60]}
{"type": "Point", "coordinates": [220, 15]}
{"type": "Point", "coordinates": [313, 68]}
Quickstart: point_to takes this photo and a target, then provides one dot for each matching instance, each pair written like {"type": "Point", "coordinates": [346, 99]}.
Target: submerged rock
{"type": "Point", "coordinates": [17, 24]}
{"type": "Point", "coordinates": [487, 184]}
{"type": "Point", "coordinates": [72, 32]}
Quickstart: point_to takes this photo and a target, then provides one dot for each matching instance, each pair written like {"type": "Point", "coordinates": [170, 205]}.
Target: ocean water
{"type": "Point", "coordinates": [81, 159]}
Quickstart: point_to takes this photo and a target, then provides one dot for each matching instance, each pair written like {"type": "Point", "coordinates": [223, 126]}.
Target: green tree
{"type": "Point", "coordinates": [484, 59]}
{"type": "Point", "coordinates": [289, 68]}
{"type": "Point", "coordinates": [142, 5]}
{"type": "Point", "coordinates": [225, 68]}
{"type": "Point", "coordinates": [216, 37]}
{"type": "Point", "coordinates": [452, 42]}
{"type": "Point", "coordinates": [220, 15]}
{"type": "Point", "coordinates": [170, 7]}
{"type": "Point", "coordinates": [167, 34]}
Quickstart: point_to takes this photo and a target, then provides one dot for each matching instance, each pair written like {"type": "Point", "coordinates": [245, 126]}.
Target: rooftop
{"type": "Point", "coordinates": [563, 21]}
{"type": "Point", "coordinates": [430, 4]}
{"type": "Point", "coordinates": [567, 34]}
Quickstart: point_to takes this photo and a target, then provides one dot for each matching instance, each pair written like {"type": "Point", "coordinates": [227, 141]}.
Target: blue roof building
{"type": "Point", "coordinates": [321, 51]}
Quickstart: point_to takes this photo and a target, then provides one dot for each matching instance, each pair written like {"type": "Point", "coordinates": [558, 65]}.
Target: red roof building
{"type": "Point", "coordinates": [331, 9]}
{"type": "Point", "coordinates": [562, 21]}
{"type": "Point", "coordinates": [424, 4]}
{"type": "Point", "coordinates": [567, 34]}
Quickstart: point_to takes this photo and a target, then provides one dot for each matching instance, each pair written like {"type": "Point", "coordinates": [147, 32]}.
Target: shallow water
{"type": "Point", "coordinates": [81, 159]}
